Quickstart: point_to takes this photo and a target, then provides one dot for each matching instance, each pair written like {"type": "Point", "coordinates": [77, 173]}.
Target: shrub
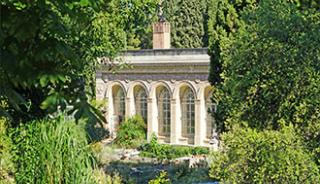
{"type": "Point", "coordinates": [165, 151]}
{"type": "Point", "coordinates": [248, 156]}
{"type": "Point", "coordinates": [6, 164]}
{"type": "Point", "coordinates": [161, 179]}
{"type": "Point", "coordinates": [131, 133]}
{"type": "Point", "coordinates": [101, 178]}
{"type": "Point", "coordinates": [53, 151]}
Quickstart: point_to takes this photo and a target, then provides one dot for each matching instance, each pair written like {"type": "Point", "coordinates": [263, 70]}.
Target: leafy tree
{"type": "Point", "coordinates": [250, 156]}
{"type": "Point", "coordinates": [49, 51]}
{"type": "Point", "coordinates": [271, 68]}
{"type": "Point", "coordinates": [271, 72]}
{"type": "Point", "coordinates": [224, 21]}
{"type": "Point", "coordinates": [188, 21]}
{"type": "Point", "coordinates": [136, 18]}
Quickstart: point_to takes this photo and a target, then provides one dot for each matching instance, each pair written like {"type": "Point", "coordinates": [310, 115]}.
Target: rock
{"type": "Point", "coordinates": [135, 170]}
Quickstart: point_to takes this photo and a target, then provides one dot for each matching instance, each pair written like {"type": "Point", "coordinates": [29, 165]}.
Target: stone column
{"type": "Point", "coordinates": [175, 133]}
{"type": "Point", "coordinates": [110, 112]}
{"type": "Point", "coordinates": [200, 122]}
{"type": "Point", "coordinates": [130, 109]}
{"type": "Point", "coordinates": [152, 118]}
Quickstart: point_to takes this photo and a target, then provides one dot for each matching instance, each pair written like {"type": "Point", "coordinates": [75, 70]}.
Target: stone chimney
{"type": "Point", "coordinates": [161, 35]}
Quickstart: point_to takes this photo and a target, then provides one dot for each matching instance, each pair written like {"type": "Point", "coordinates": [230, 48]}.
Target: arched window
{"type": "Point", "coordinates": [211, 126]}
{"type": "Point", "coordinates": [188, 114]}
{"type": "Point", "coordinates": [141, 103]}
{"type": "Point", "coordinates": [164, 112]}
{"type": "Point", "coordinates": [119, 103]}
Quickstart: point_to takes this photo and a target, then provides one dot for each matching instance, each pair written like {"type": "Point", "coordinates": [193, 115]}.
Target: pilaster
{"type": "Point", "coordinates": [175, 133]}
{"type": "Point", "coordinates": [129, 107]}
{"type": "Point", "coordinates": [200, 122]}
{"type": "Point", "coordinates": [152, 118]}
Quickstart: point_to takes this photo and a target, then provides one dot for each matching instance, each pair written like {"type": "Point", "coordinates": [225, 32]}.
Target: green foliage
{"type": "Point", "coordinates": [161, 179]}
{"type": "Point", "coordinates": [271, 75]}
{"type": "Point", "coordinates": [188, 21]}
{"type": "Point", "coordinates": [95, 130]}
{"type": "Point", "coordinates": [135, 18]}
{"type": "Point", "coordinates": [7, 166]}
{"type": "Point", "coordinates": [224, 21]}
{"type": "Point", "coordinates": [52, 151]}
{"type": "Point", "coordinates": [165, 151]}
{"type": "Point", "coordinates": [101, 178]}
{"type": "Point", "coordinates": [49, 51]}
{"type": "Point", "coordinates": [132, 132]}
{"type": "Point", "coordinates": [249, 156]}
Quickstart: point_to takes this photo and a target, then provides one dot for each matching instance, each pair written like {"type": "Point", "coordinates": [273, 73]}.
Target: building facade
{"type": "Point", "coordinates": [167, 87]}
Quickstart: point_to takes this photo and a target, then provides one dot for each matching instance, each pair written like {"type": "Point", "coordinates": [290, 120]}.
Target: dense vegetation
{"type": "Point", "coordinates": [132, 132]}
{"type": "Point", "coordinates": [188, 21]}
{"type": "Point", "coordinates": [265, 66]}
{"type": "Point", "coordinates": [271, 75]}
{"type": "Point", "coordinates": [167, 152]}
{"type": "Point", "coordinates": [52, 151]}
{"type": "Point", "coordinates": [268, 79]}
{"type": "Point", "coordinates": [49, 51]}
{"type": "Point", "coordinates": [7, 166]}
{"type": "Point", "coordinates": [251, 156]}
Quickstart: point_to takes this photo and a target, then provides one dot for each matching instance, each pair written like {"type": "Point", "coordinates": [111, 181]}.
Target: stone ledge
{"type": "Point", "coordinates": [166, 52]}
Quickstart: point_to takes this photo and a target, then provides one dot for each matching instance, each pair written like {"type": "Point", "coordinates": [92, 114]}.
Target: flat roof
{"type": "Point", "coordinates": [165, 52]}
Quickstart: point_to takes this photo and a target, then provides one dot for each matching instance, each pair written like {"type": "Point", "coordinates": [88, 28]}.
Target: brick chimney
{"type": "Point", "coordinates": [161, 35]}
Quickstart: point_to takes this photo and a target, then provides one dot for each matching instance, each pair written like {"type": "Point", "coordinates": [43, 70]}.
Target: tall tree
{"type": "Point", "coordinates": [224, 21]}
{"type": "Point", "coordinates": [272, 71]}
{"type": "Point", "coordinates": [136, 19]}
{"type": "Point", "coordinates": [188, 21]}
{"type": "Point", "coordinates": [49, 51]}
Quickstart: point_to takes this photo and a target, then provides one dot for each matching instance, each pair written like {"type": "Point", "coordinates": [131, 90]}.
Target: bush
{"type": "Point", "coordinates": [131, 133]}
{"type": "Point", "coordinates": [6, 164]}
{"type": "Point", "coordinates": [53, 151]}
{"type": "Point", "coordinates": [161, 179]}
{"type": "Point", "coordinates": [165, 151]}
{"type": "Point", "coordinates": [248, 156]}
{"type": "Point", "coordinates": [101, 178]}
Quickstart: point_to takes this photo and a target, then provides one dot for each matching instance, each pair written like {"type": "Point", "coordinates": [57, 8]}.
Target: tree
{"type": "Point", "coordinates": [188, 21]}
{"type": "Point", "coordinates": [271, 72]}
{"type": "Point", "coordinates": [49, 51]}
{"type": "Point", "coordinates": [224, 21]}
{"type": "Point", "coordinates": [136, 19]}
